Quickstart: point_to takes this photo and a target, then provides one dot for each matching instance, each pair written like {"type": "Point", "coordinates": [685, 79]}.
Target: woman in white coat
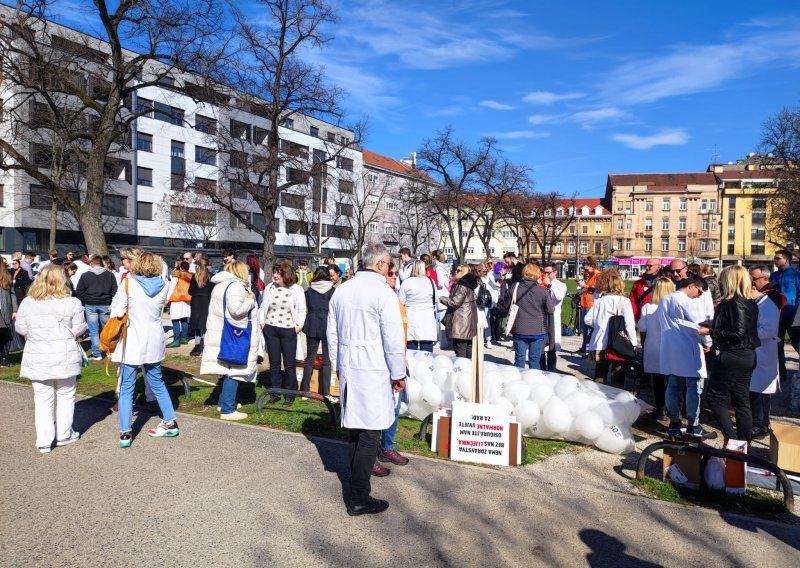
{"type": "Point", "coordinates": [142, 297]}
{"type": "Point", "coordinates": [651, 336]}
{"type": "Point", "coordinates": [764, 381]}
{"type": "Point", "coordinates": [283, 313]}
{"type": "Point", "coordinates": [610, 303]}
{"type": "Point", "coordinates": [233, 300]}
{"type": "Point", "coordinates": [50, 319]}
{"type": "Point", "coordinates": [418, 295]}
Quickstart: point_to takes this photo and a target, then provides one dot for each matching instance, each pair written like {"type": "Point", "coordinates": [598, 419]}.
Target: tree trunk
{"type": "Point", "coordinates": [268, 254]}
{"type": "Point", "coordinates": [51, 243]}
{"type": "Point", "coordinates": [91, 223]}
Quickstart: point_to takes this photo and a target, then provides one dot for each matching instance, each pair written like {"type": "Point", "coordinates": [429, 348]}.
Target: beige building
{"type": "Point", "coordinates": [665, 215]}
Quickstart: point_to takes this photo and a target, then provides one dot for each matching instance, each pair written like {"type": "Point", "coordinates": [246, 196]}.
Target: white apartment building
{"type": "Point", "coordinates": [172, 147]}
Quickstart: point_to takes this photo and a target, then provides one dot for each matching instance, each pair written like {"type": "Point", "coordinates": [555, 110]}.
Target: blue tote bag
{"type": "Point", "coordinates": [235, 341]}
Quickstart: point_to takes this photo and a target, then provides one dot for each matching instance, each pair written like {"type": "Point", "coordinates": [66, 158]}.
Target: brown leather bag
{"type": "Point", "coordinates": [114, 330]}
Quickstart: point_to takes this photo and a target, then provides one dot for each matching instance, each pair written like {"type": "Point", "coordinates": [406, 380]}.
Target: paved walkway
{"type": "Point", "coordinates": [234, 495]}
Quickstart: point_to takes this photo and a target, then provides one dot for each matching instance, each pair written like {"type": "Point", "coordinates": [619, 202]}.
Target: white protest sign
{"type": "Point", "coordinates": [480, 433]}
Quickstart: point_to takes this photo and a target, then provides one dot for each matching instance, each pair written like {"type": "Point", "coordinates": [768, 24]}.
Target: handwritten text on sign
{"type": "Point", "coordinates": [480, 433]}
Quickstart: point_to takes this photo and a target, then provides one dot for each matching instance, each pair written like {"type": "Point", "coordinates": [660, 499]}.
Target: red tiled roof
{"type": "Point", "coordinates": [378, 161]}
{"type": "Point", "coordinates": [663, 180]}
{"type": "Point", "coordinates": [747, 174]}
{"type": "Point", "coordinates": [590, 202]}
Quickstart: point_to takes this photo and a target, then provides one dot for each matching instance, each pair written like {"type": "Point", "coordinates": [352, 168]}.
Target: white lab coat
{"type": "Point", "coordinates": [177, 310]}
{"type": "Point", "coordinates": [82, 269]}
{"type": "Point", "coordinates": [146, 341]}
{"type": "Point", "coordinates": [765, 375]}
{"type": "Point", "coordinates": [600, 314]}
{"type": "Point", "coordinates": [403, 273]}
{"type": "Point", "coordinates": [681, 346]}
{"type": "Point", "coordinates": [367, 346]}
{"type": "Point", "coordinates": [648, 323]}
{"type": "Point", "coordinates": [558, 291]}
{"type": "Point", "coordinates": [417, 294]}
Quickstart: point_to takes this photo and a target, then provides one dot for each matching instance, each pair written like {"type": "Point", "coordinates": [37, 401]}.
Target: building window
{"type": "Point", "coordinates": [730, 248]}
{"type": "Point", "coordinates": [144, 107]}
{"type": "Point", "coordinates": [293, 201]}
{"type": "Point", "coordinates": [759, 203]}
{"type": "Point", "coordinates": [648, 224]}
{"type": "Point", "coordinates": [713, 224]}
{"type": "Point", "coordinates": [664, 245]}
{"type": "Point", "coordinates": [372, 178]}
{"type": "Point", "coordinates": [548, 212]}
{"type": "Point", "coordinates": [390, 229]}
{"type": "Point", "coordinates": [682, 224]}
{"type": "Point", "coordinates": [648, 205]}
{"type": "Point", "coordinates": [584, 247]}
{"type": "Point", "coordinates": [508, 234]}
{"type": "Point", "coordinates": [712, 205]}
{"type": "Point", "coordinates": [205, 124]}
{"type": "Point", "coordinates": [665, 204]}
{"type": "Point", "coordinates": [732, 202]}
{"type": "Point", "coordinates": [759, 217]}
{"type": "Point", "coordinates": [390, 204]}
{"type": "Point", "coordinates": [115, 205]}
{"type": "Point", "coordinates": [682, 204]}
{"type": "Point", "coordinates": [665, 223]}
{"type": "Point", "coordinates": [372, 227]}
{"type": "Point", "coordinates": [628, 224]}
{"type": "Point", "coordinates": [240, 130]}
{"type": "Point", "coordinates": [144, 142]}
{"type": "Point", "coordinates": [144, 211]}
{"type": "Point", "coordinates": [206, 156]}
{"type": "Point", "coordinates": [205, 186]}
{"type": "Point", "coordinates": [314, 131]}
{"type": "Point", "coordinates": [166, 113]}
{"type": "Point", "coordinates": [703, 205]}
{"type": "Point", "coordinates": [346, 187]}
{"type": "Point", "coordinates": [598, 229]}
{"type": "Point", "coordinates": [177, 149]}
{"type": "Point", "coordinates": [703, 245]}
{"type": "Point", "coordinates": [584, 229]}
{"type": "Point", "coordinates": [559, 247]}
{"type": "Point", "coordinates": [372, 202]}
{"type": "Point", "coordinates": [559, 211]}
{"type": "Point", "coordinates": [756, 249]}
{"type": "Point", "coordinates": [681, 245]}
{"type": "Point", "coordinates": [571, 248]}
{"type": "Point", "coordinates": [618, 244]}
{"type": "Point", "coordinates": [144, 176]}
{"type": "Point", "coordinates": [648, 245]}
{"type": "Point", "coordinates": [192, 215]}
{"type": "Point", "coordinates": [345, 164]}
{"type": "Point", "coordinates": [598, 248]}
{"type": "Point", "coordinates": [619, 225]}
{"type": "Point", "coordinates": [731, 232]}
{"type": "Point", "coordinates": [259, 221]}
{"type": "Point", "coordinates": [628, 244]}
{"type": "Point", "coordinates": [714, 244]}
{"type": "Point", "coordinates": [344, 209]}
{"type": "Point", "coordinates": [704, 225]}
{"type": "Point", "coordinates": [287, 123]}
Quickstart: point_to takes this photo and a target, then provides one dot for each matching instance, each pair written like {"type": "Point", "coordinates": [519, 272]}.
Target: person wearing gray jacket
{"type": "Point", "coordinates": [461, 319]}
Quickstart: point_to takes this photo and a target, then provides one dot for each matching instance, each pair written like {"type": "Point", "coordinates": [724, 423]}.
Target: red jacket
{"type": "Point", "coordinates": [640, 295]}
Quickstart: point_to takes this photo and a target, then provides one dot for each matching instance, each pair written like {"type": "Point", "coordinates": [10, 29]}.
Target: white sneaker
{"type": "Point", "coordinates": [44, 449]}
{"type": "Point", "coordinates": [74, 437]}
{"type": "Point", "coordinates": [93, 358]}
{"type": "Point", "coordinates": [235, 415]}
{"type": "Point", "coordinates": [487, 345]}
{"type": "Point", "coordinates": [333, 399]}
{"type": "Point", "coordinates": [238, 406]}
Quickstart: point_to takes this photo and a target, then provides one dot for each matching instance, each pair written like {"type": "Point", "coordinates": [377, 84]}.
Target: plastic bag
{"type": "Point", "coordinates": [715, 473]}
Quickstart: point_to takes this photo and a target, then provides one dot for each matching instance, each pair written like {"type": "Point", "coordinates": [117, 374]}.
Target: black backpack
{"type": "Point", "coordinates": [484, 299]}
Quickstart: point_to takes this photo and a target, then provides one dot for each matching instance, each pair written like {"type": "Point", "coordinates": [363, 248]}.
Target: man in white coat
{"type": "Point", "coordinates": [557, 290]}
{"type": "Point", "coordinates": [367, 349]}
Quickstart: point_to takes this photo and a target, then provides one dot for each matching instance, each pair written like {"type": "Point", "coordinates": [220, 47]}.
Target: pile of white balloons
{"type": "Point", "coordinates": [548, 405]}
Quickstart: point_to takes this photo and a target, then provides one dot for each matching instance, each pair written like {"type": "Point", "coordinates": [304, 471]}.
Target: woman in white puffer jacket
{"type": "Point", "coordinates": [231, 287]}
{"type": "Point", "coordinates": [51, 319]}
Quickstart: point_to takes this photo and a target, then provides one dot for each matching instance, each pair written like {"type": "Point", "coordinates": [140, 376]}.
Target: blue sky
{"type": "Point", "coordinates": [575, 89]}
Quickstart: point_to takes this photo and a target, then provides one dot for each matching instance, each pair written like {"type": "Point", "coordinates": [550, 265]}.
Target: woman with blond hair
{"type": "Point", "coordinates": [233, 301]}
{"type": "Point", "coordinates": [51, 319]}
{"type": "Point", "coordinates": [735, 335]}
{"type": "Point", "coordinates": [651, 340]}
{"type": "Point", "coordinates": [534, 307]}
{"type": "Point", "coordinates": [200, 289]}
{"type": "Point", "coordinates": [142, 297]}
{"type": "Point", "coordinates": [612, 302]}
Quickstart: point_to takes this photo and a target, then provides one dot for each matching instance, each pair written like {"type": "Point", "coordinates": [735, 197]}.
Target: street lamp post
{"type": "Point", "coordinates": [744, 254]}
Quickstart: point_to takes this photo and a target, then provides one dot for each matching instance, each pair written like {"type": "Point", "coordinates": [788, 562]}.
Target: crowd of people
{"type": "Point", "coordinates": [701, 339]}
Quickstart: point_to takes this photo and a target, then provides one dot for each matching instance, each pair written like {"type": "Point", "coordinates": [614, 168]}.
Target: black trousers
{"type": "Point", "coordinates": [281, 343]}
{"type": "Point", "coordinates": [659, 390]}
{"type": "Point", "coordinates": [759, 406]}
{"type": "Point", "coordinates": [5, 341]}
{"type": "Point", "coordinates": [312, 345]}
{"type": "Point", "coordinates": [463, 348]}
{"type": "Point", "coordinates": [784, 326]}
{"type": "Point", "coordinates": [363, 445]}
{"type": "Point", "coordinates": [731, 379]}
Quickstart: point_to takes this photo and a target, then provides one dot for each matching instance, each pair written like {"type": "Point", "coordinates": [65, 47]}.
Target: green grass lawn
{"type": "Point", "coordinates": [572, 286]}
{"type": "Point", "coordinates": [307, 417]}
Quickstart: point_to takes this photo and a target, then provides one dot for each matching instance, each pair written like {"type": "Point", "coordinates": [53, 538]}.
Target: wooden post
{"type": "Point", "coordinates": [477, 368]}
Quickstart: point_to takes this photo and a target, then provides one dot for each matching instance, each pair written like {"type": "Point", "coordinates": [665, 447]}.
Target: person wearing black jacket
{"type": "Point", "coordinates": [735, 335]}
{"type": "Point", "coordinates": [96, 288]}
{"type": "Point", "coordinates": [318, 297]}
{"type": "Point", "coordinates": [200, 288]}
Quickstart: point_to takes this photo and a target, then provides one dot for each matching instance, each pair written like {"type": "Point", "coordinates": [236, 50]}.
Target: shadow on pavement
{"type": "Point", "coordinates": [90, 411]}
{"type": "Point", "coordinates": [785, 533]}
{"type": "Point", "coordinates": [335, 458]}
{"type": "Point", "coordinates": [609, 551]}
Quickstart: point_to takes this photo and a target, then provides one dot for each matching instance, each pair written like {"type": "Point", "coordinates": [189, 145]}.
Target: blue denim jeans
{"type": "Point", "coordinates": [530, 347]}
{"type": "Point", "coordinates": [180, 329]}
{"type": "Point", "coordinates": [586, 330]}
{"type": "Point", "coordinates": [96, 318]}
{"type": "Point", "coordinates": [387, 436]}
{"type": "Point", "coordinates": [227, 396]}
{"type": "Point", "coordinates": [127, 385]}
{"type": "Point", "coordinates": [693, 387]}
{"type": "Point", "coordinates": [420, 346]}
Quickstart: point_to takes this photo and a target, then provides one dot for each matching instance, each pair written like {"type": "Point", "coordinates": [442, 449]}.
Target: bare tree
{"type": "Point", "coordinates": [547, 225]}
{"type": "Point", "coordinates": [87, 84]}
{"type": "Point", "coordinates": [362, 200]}
{"type": "Point", "coordinates": [192, 216]}
{"type": "Point", "coordinates": [458, 167]}
{"type": "Point", "coordinates": [270, 79]}
{"type": "Point", "coordinates": [419, 226]}
{"type": "Point", "coordinates": [780, 138]}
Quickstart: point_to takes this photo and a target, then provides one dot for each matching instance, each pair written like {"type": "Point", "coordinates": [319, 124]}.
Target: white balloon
{"type": "Point", "coordinates": [532, 376]}
{"type": "Point", "coordinates": [588, 385]}
{"type": "Point", "coordinates": [577, 402]}
{"type": "Point", "coordinates": [615, 440]}
{"type": "Point", "coordinates": [462, 364]}
{"type": "Point", "coordinates": [503, 402]}
{"type": "Point", "coordinates": [411, 362]}
{"type": "Point", "coordinates": [632, 410]}
{"type": "Point", "coordinates": [442, 362]}
{"type": "Point", "coordinates": [413, 389]}
{"type": "Point", "coordinates": [541, 394]}
{"type": "Point", "coordinates": [492, 389]}
{"type": "Point", "coordinates": [624, 396]}
{"type": "Point", "coordinates": [516, 391]}
{"type": "Point", "coordinates": [541, 430]}
{"type": "Point", "coordinates": [404, 409]}
{"type": "Point", "coordinates": [527, 412]}
{"type": "Point", "coordinates": [556, 416]}
{"type": "Point", "coordinates": [588, 425]}
{"type": "Point", "coordinates": [431, 395]}
{"type": "Point", "coordinates": [565, 386]}
{"type": "Point", "coordinates": [424, 374]}
{"type": "Point", "coordinates": [423, 356]}
{"type": "Point", "coordinates": [440, 376]}
{"type": "Point", "coordinates": [464, 385]}
{"type": "Point", "coordinates": [448, 396]}
{"type": "Point", "coordinates": [510, 374]}
{"type": "Point", "coordinates": [620, 412]}
{"type": "Point", "coordinates": [604, 411]}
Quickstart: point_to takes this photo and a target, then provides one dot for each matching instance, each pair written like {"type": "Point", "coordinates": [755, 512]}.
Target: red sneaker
{"type": "Point", "coordinates": [379, 471]}
{"type": "Point", "coordinates": [392, 456]}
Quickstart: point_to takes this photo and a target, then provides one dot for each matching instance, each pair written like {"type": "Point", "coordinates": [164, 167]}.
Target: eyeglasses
{"type": "Point", "coordinates": [546, 272]}
{"type": "Point", "coordinates": [392, 274]}
{"type": "Point", "coordinates": [651, 265]}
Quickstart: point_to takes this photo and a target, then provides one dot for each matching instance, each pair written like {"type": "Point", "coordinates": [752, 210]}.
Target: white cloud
{"type": "Point", "coordinates": [447, 111]}
{"type": "Point", "coordinates": [666, 137]}
{"type": "Point", "coordinates": [549, 98]}
{"type": "Point", "coordinates": [496, 105]}
{"type": "Point", "coordinates": [591, 117]}
{"type": "Point", "coordinates": [546, 118]}
{"type": "Point", "coordinates": [689, 69]}
{"type": "Point", "coordinates": [519, 134]}
{"type": "Point", "coordinates": [368, 92]}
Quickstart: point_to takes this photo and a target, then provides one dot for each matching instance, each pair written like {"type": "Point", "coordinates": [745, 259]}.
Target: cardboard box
{"type": "Point", "coordinates": [690, 464]}
{"type": "Point", "coordinates": [784, 447]}
{"type": "Point", "coordinates": [315, 380]}
{"type": "Point", "coordinates": [735, 474]}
